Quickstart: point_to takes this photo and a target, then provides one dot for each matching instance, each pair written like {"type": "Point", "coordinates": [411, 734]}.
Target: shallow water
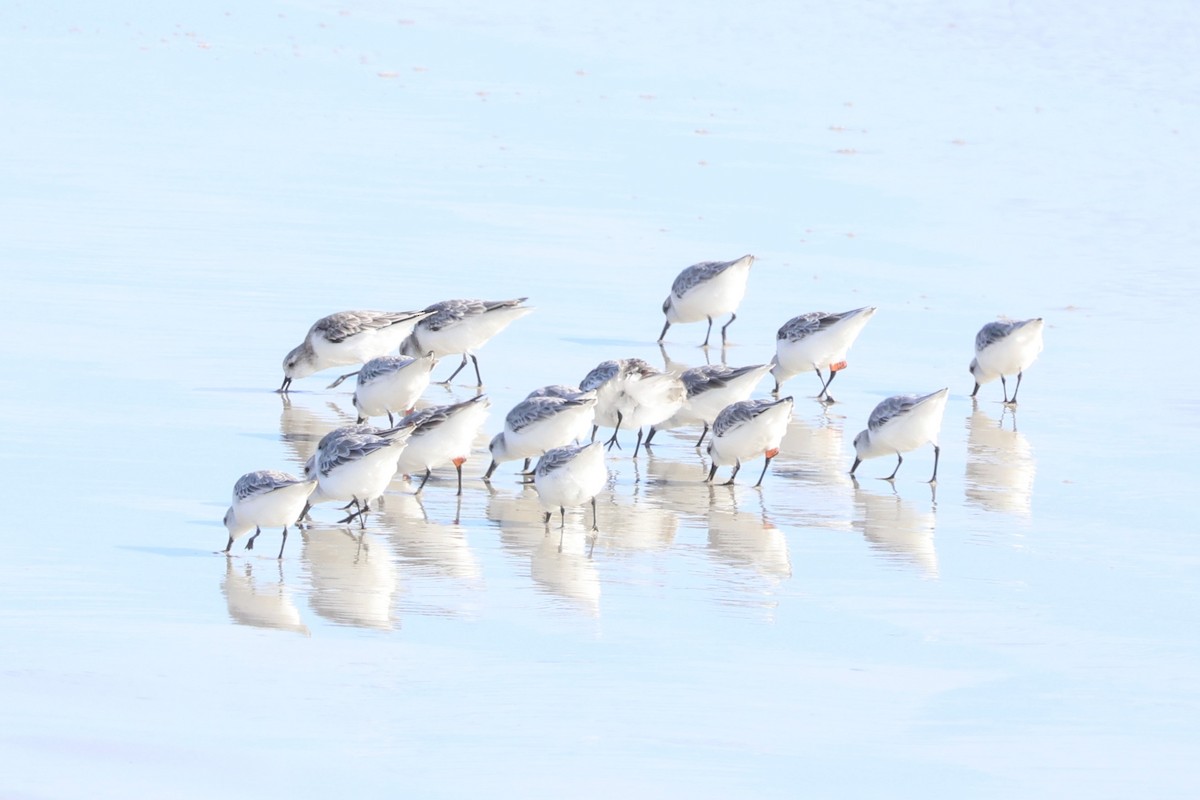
{"type": "Point", "coordinates": [188, 189]}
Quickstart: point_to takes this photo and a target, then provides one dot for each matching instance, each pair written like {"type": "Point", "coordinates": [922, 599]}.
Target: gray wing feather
{"type": "Point", "coordinates": [741, 412]}
{"type": "Point", "coordinates": [427, 419]}
{"type": "Point", "coordinates": [556, 390]}
{"type": "Point", "coordinates": [350, 447]}
{"type": "Point", "coordinates": [262, 482]}
{"type": "Point", "coordinates": [452, 312]}
{"type": "Point", "coordinates": [891, 408]}
{"type": "Point", "coordinates": [384, 365]}
{"type": "Point", "coordinates": [536, 409]}
{"type": "Point", "coordinates": [805, 325]}
{"type": "Point", "coordinates": [557, 458]}
{"type": "Point", "coordinates": [995, 331]}
{"type": "Point", "coordinates": [699, 380]}
{"type": "Point", "coordinates": [602, 374]}
{"type": "Point", "coordinates": [697, 274]}
{"type": "Point", "coordinates": [341, 326]}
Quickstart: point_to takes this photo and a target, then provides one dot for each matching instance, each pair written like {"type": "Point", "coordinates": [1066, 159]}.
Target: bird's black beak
{"type": "Point", "coordinates": [487, 476]}
{"type": "Point", "coordinates": [287, 381]}
{"type": "Point", "coordinates": [976, 389]}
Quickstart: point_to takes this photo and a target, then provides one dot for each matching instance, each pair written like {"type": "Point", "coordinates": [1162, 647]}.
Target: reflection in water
{"type": "Point", "coordinates": [568, 571]}
{"type": "Point", "coordinates": [354, 578]}
{"type": "Point", "coordinates": [638, 522]}
{"type": "Point", "coordinates": [302, 426]}
{"type": "Point", "coordinates": [268, 605]}
{"type": "Point", "coordinates": [813, 446]}
{"type": "Point", "coordinates": [432, 547]}
{"type": "Point", "coordinates": [899, 528]}
{"type": "Point", "coordinates": [747, 540]}
{"type": "Point", "coordinates": [1000, 464]}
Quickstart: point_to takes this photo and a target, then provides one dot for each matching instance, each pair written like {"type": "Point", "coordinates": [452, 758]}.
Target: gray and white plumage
{"type": "Point", "coordinates": [538, 424]}
{"type": "Point", "coordinates": [348, 337]}
{"type": "Point", "coordinates": [389, 384]}
{"type": "Point", "coordinates": [710, 388]}
{"type": "Point", "coordinates": [442, 435]}
{"type": "Point", "coordinates": [817, 341]}
{"type": "Point", "coordinates": [899, 424]}
{"type": "Point", "coordinates": [1006, 348]}
{"type": "Point", "coordinates": [706, 290]}
{"type": "Point", "coordinates": [747, 429]}
{"type": "Point", "coordinates": [461, 327]}
{"type": "Point", "coordinates": [631, 393]}
{"type": "Point", "coordinates": [569, 476]}
{"type": "Point", "coordinates": [265, 498]}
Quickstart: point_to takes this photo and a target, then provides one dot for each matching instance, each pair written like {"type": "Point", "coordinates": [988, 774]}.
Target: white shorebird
{"type": "Point", "coordinates": [348, 337]}
{"type": "Point", "coordinates": [356, 466]}
{"type": "Point", "coordinates": [632, 393]}
{"type": "Point", "coordinates": [538, 424]}
{"type": "Point", "coordinates": [570, 476]}
{"type": "Point", "coordinates": [746, 429]}
{"type": "Point", "coordinates": [816, 341]}
{"type": "Point", "coordinates": [460, 327]}
{"type": "Point", "coordinates": [901, 423]}
{"type": "Point", "coordinates": [706, 290]}
{"type": "Point", "coordinates": [389, 384]}
{"type": "Point", "coordinates": [442, 435]}
{"type": "Point", "coordinates": [710, 388]}
{"type": "Point", "coordinates": [1002, 348]}
{"type": "Point", "coordinates": [266, 498]}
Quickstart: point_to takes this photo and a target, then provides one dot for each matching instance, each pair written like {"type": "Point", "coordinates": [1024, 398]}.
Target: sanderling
{"type": "Point", "coordinates": [707, 290]}
{"type": "Point", "coordinates": [538, 424]}
{"type": "Point", "coordinates": [630, 392]}
{"type": "Point", "coordinates": [460, 327]}
{"type": "Point", "coordinates": [1002, 348]}
{"type": "Point", "coordinates": [570, 476]}
{"type": "Point", "coordinates": [442, 435]}
{"type": "Point", "coordinates": [901, 423]}
{"type": "Point", "coordinates": [266, 497]}
{"type": "Point", "coordinates": [711, 388]}
{"type": "Point", "coordinates": [356, 466]}
{"type": "Point", "coordinates": [390, 384]}
{"type": "Point", "coordinates": [816, 341]}
{"type": "Point", "coordinates": [348, 337]}
{"type": "Point", "coordinates": [744, 430]}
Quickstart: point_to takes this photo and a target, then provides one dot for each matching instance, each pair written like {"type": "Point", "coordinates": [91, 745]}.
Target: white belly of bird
{"type": "Point", "coordinates": [274, 509]}
{"type": "Point", "coordinates": [1014, 353]}
{"type": "Point", "coordinates": [650, 400]}
{"type": "Point", "coordinates": [705, 406]}
{"type": "Point", "coordinates": [912, 430]}
{"type": "Point", "coordinates": [362, 347]}
{"type": "Point", "coordinates": [575, 483]}
{"type": "Point", "coordinates": [468, 335]}
{"type": "Point", "coordinates": [821, 349]}
{"type": "Point", "coordinates": [561, 429]}
{"type": "Point", "coordinates": [363, 479]}
{"type": "Point", "coordinates": [398, 391]}
{"type": "Point", "coordinates": [713, 298]}
{"type": "Point", "coordinates": [450, 440]}
{"type": "Point", "coordinates": [754, 438]}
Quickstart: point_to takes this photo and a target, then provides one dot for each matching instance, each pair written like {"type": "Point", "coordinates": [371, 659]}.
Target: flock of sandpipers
{"type": "Point", "coordinates": [397, 352]}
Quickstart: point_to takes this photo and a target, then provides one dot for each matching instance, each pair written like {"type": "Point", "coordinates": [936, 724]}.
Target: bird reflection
{"type": "Point", "coordinates": [902, 530]}
{"type": "Point", "coordinates": [302, 426]}
{"type": "Point", "coordinates": [353, 575]}
{"type": "Point", "coordinates": [427, 546]}
{"type": "Point", "coordinates": [747, 540]}
{"type": "Point", "coordinates": [263, 605]}
{"type": "Point", "coordinates": [635, 522]}
{"type": "Point", "coordinates": [567, 570]}
{"type": "Point", "coordinates": [1000, 464]}
{"type": "Point", "coordinates": [814, 447]}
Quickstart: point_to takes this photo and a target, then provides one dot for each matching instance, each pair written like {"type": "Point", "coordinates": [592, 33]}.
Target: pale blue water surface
{"type": "Point", "coordinates": [186, 188]}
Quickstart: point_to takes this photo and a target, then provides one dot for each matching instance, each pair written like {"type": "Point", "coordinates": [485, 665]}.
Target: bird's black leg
{"type": "Point", "coordinates": [737, 465]}
{"type": "Point", "coordinates": [281, 546]}
{"type": "Point", "coordinates": [732, 317]}
{"type": "Point", "coordinates": [650, 435]}
{"type": "Point", "coordinates": [455, 373]}
{"type": "Point", "coordinates": [899, 461]}
{"type": "Point", "coordinates": [525, 467]}
{"type": "Point", "coordinates": [709, 333]}
{"type": "Point", "coordinates": [1005, 385]}
{"type": "Point", "coordinates": [250, 542]}
{"type": "Point", "coordinates": [1013, 402]}
{"type": "Point", "coordinates": [458, 469]}
{"type": "Point", "coordinates": [424, 480]}
{"type": "Point", "coordinates": [595, 527]}
{"type": "Point", "coordinates": [546, 518]}
{"type": "Point", "coordinates": [478, 379]}
{"type": "Point", "coordinates": [764, 472]}
{"type": "Point", "coordinates": [702, 435]}
{"type": "Point", "coordinates": [616, 430]}
{"type": "Point", "coordinates": [638, 446]}
{"type": "Point", "coordinates": [711, 473]}
{"type": "Point", "coordinates": [825, 388]}
{"type": "Point", "coordinates": [391, 422]}
{"type": "Point", "coordinates": [937, 451]}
